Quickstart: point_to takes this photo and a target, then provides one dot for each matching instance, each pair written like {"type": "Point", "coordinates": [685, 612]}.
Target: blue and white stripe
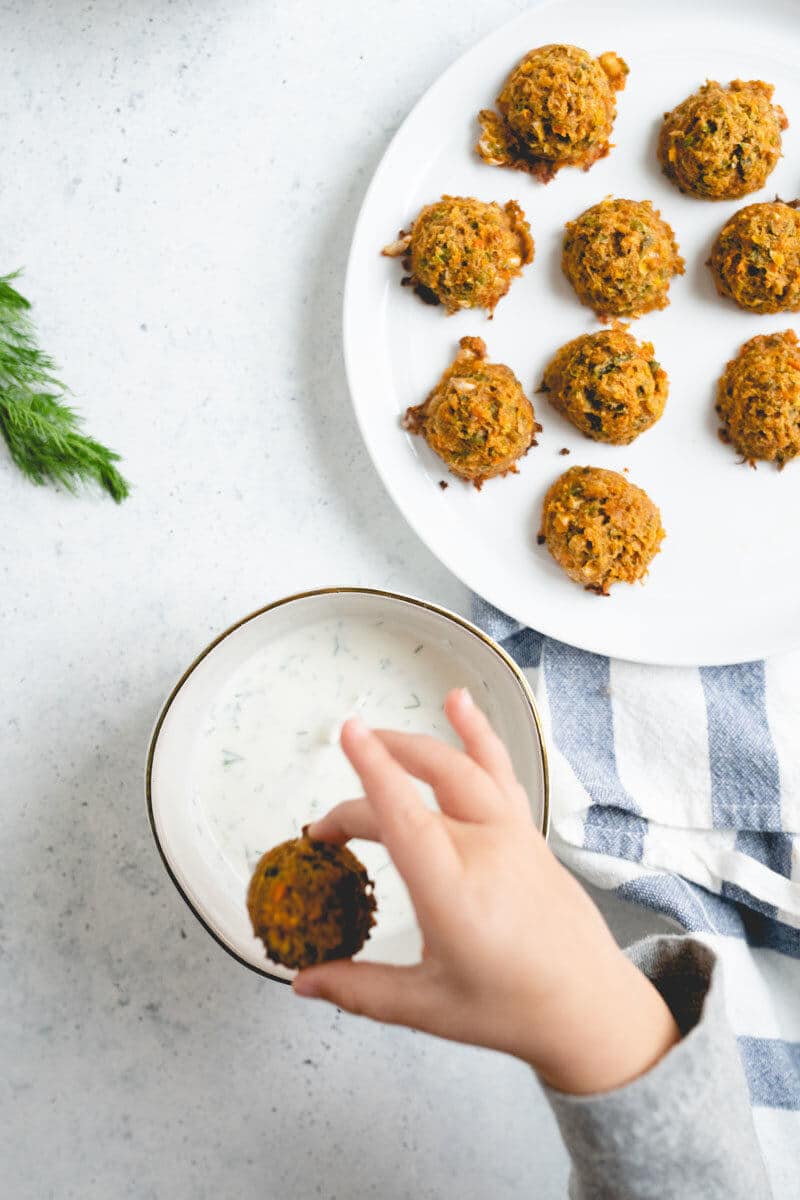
{"type": "Point", "coordinates": [679, 788]}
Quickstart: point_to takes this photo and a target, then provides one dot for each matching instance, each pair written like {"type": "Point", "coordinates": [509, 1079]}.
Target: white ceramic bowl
{"type": "Point", "coordinates": [202, 875]}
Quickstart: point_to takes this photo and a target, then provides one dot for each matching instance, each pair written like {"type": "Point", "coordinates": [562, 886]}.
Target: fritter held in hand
{"type": "Point", "coordinates": [557, 109]}
{"type": "Point", "coordinates": [758, 399]}
{"type": "Point", "coordinates": [608, 385]}
{"type": "Point", "coordinates": [310, 902]}
{"type": "Point", "coordinates": [462, 253]}
{"type": "Point", "coordinates": [722, 142]}
{"type": "Point", "coordinates": [600, 528]}
{"type": "Point", "coordinates": [477, 418]}
{"type": "Point", "coordinates": [756, 258]}
{"type": "Point", "coordinates": [620, 257]}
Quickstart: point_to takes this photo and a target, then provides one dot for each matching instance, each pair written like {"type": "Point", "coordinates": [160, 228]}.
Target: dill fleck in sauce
{"type": "Point", "coordinates": [268, 760]}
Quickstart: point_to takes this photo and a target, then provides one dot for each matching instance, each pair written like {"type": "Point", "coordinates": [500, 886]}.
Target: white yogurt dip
{"type": "Point", "coordinates": [267, 758]}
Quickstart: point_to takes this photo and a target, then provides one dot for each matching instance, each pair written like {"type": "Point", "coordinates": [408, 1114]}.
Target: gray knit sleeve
{"type": "Point", "coordinates": [685, 1129]}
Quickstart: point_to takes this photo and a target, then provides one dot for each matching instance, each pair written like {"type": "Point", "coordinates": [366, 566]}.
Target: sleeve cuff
{"type": "Point", "coordinates": [685, 1127]}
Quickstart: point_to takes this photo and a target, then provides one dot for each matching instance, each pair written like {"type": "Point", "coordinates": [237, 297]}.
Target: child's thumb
{"type": "Point", "coordinates": [384, 993]}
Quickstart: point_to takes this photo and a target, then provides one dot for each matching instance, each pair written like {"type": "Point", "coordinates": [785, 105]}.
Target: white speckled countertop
{"type": "Point", "coordinates": [180, 181]}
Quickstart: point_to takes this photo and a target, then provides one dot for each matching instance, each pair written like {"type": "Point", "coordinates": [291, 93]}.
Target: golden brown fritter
{"type": "Point", "coordinates": [756, 258]}
{"type": "Point", "coordinates": [608, 385]}
{"type": "Point", "coordinates": [620, 257]}
{"type": "Point", "coordinates": [463, 253]}
{"type": "Point", "coordinates": [557, 108]}
{"type": "Point", "coordinates": [600, 528]}
{"type": "Point", "coordinates": [310, 902]}
{"type": "Point", "coordinates": [477, 418]}
{"type": "Point", "coordinates": [758, 399]}
{"type": "Point", "coordinates": [722, 142]}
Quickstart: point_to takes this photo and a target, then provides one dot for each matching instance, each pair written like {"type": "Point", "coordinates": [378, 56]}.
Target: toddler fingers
{"type": "Point", "coordinates": [415, 837]}
{"type": "Point", "coordinates": [350, 819]}
{"type": "Point", "coordinates": [383, 993]}
{"type": "Point", "coordinates": [482, 744]}
{"type": "Point", "coordinates": [462, 787]}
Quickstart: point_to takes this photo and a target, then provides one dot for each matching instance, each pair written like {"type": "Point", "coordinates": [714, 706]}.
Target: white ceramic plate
{"type": "Point", "coordinates": [725, 587]}
{"type": "Point", "coordinates": [213, 884]}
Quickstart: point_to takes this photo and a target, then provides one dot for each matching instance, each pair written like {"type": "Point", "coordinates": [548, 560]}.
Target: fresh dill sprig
{"type": "Point", "coordinates": [42, 432]}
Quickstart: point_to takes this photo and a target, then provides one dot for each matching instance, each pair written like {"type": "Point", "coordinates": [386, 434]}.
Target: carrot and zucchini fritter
{"type": "Point", "coordinates": [608, 385]}
{"type": "Point", "coordinates": [758, 399]}
{"type": "Point", "coordinates": [620, 256]}
{"type": "Point", "coordinates": [755, 260]}
{"type": "Point", "coordinates": [722, 142]}
{"type": "Point", "coordinates": [477, 418]}
{"type": "Point", "coordinates": [463, 253]}
{"type": "Point", "coordinates": [556, 109]}
{"type": "Point", "coordinates": [600, 528]}
{"type": "Point", "coordinates": [309, 902]}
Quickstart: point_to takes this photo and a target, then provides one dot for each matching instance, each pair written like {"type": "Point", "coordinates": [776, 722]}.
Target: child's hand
{"type": "Point", "coordinates": [516, 955]}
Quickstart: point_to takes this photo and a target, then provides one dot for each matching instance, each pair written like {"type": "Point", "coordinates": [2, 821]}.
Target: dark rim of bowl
{"type": "Point", "coordinates": [515, 669]}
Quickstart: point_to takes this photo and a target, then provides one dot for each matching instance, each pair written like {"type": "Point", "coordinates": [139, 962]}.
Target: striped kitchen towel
{"type": "Point", "coordinates": [679, 788]}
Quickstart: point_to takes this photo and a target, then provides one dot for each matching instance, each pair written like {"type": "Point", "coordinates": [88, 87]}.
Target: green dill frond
{"type": "Point", "coordinates": [42, 432]}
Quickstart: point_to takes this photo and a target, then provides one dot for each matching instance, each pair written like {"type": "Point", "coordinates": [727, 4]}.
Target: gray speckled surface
{"type": "Point", "coordinates": [180, 181]}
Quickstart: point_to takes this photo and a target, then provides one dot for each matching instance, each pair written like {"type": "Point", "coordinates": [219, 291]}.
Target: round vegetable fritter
{"type": "Point", "coordinates": [756, 258]}
{"type": "Point", "coordinates": [608, 385]}
{"type": "Point", "coordinates": [758, 399]}
{"type": "Point", "coordinates": [310, 902]}
{"type": "Point", "coordinates": [722, 142]}
{"type": "Point", "coordinates": [477, 418]}
{"type": "Point", "coordinates": [620, 257]}
{"type": "Point", "coordinates": [462, 253]}
{"type": "Point", "coordinates": [557, 108]}
{"type": "Point", "coordinates": [600, 528]}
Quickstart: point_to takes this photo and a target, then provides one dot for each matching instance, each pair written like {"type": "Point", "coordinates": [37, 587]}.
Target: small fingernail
{"type": "Point", "coordinates": [304, 987]}
{"type": "Point", "coordinates": [358, 727]}
{"type": "Point", "coordinates": [466, 696]}
{"type": "Point", "coordinates": [310, 831]}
